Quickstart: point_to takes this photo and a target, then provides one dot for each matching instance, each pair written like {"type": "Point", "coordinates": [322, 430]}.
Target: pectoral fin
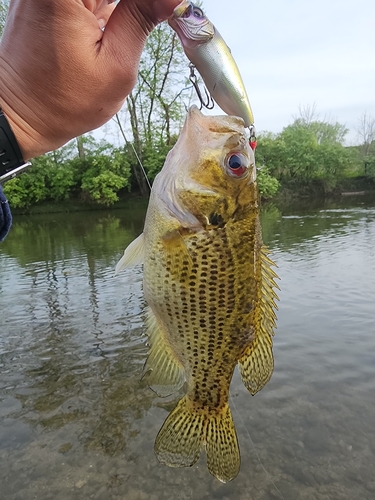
{"type": "Point", "coordinates": [133, 254]}
{"type": "Point", "coordinates": [177, 250]}
{"type": "Point", "coordinates": [163, 372]}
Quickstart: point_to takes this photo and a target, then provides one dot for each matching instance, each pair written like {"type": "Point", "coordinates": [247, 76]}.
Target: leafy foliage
{"type": "Point", "coordinates": [267, 185]}
{"type": "Point", "coordinates": [104, 176]}
{"type": "Point", "coordinates": [306, 152]}
{"type": "Point", "coordinates": [4, 6]}
{"type": "Point", "coordinates": [97, 176]}
{"type": "Point", "coordinates": [47, 179]}
{"type": "Point", "coordinates": [370, 167]}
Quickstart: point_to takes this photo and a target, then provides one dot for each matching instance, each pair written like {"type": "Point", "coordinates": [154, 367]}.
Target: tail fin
{"type": "Point", "coordinates": [187, 429]}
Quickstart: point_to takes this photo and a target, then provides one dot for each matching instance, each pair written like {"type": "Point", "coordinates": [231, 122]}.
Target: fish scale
{"type": "Point", "coordinates": [207, 305]}
{"type": "Point", "coordinates": [209, 286]}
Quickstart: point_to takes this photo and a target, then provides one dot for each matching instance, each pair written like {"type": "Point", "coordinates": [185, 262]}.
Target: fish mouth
{"type": "Point", "coordinates": [228, 124]}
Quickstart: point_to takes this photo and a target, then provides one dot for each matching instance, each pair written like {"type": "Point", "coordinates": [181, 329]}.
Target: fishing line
{"type": "Point", "coordinates": [254, 448]}
{"type": "Point", "coordinates": [140, 164]}
{"type": "Point", "coordinates": [135, 152]}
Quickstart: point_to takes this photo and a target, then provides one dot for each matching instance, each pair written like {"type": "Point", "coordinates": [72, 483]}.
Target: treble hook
{"type": "Point", "coordinates": [209, 102]}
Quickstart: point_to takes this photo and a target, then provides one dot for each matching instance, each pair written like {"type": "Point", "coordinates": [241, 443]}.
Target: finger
{"type": "Point", "coordinates": [165, 9]}
{"type": "Point", "coordinates": [127, 30]}
{"type": "Point", "coordinates": [94, 5]}
{"type": "Point", "coordinates": [102, 9]}
{"type": "Point", "coordinates": [103, 13]}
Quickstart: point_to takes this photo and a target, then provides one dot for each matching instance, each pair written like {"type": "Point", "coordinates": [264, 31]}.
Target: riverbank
{"type": "Point", "coordinates": [316, 190]}
{"type": "Point", "coordinates": [128, 201]}
{"type": "Point", "coordinates": [359, 186]}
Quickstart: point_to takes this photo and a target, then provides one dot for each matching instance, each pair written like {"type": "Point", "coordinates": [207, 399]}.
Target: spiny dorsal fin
{"type": "Point", "coordinates": [256, 364]}
{"type": "Point", "coordinates": [133, 254]}
{"type": "Point", "coordinates": [162, 371]}
{"type": "Point", "coordinates": [187, 428]}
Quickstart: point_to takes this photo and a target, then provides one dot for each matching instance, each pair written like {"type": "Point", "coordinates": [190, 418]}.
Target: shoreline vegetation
{"type": "Point", "coordinates": [357, 187]}
{"type": "Point", "coordinates": [307, 159]}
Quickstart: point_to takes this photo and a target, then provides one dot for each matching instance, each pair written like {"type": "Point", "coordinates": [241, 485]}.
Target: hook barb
{"type": "Point", "coordinates": [208, 102]}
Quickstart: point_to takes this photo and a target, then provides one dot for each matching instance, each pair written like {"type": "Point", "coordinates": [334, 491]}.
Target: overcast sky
{"type": "Point", "coordinates": [295, 53]}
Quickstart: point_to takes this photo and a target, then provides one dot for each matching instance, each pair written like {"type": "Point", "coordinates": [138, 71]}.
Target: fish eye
{"type": "Point", "coordinates": [237, 164]}
{"type": "Point", "coordinates": [197, 12]}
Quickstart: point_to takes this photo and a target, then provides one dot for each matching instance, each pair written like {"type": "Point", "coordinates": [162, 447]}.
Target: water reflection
{"type": "Point", "coordinates": [77, 422]}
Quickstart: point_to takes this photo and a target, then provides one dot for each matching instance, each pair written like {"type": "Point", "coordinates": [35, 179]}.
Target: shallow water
{"type": "Point", "coordinates": [76, 422]}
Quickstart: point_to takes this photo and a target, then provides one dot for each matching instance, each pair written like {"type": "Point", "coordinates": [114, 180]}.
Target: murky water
{"type": "Point", "coordinates": [76, 422]}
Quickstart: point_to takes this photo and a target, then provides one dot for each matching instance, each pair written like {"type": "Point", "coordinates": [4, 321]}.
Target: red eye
{"type": "Point", "coordinates": [237, 164]}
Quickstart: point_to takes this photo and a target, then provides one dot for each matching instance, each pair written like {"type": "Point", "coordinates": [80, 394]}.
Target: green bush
{"type": "Point", "coordinates": [267, 185]}
{"type": "Point", "coordinates": [104, 176]}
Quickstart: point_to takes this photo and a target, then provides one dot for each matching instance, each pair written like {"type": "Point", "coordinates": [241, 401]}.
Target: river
{"type": "Point", "coordinates": [77, 422]}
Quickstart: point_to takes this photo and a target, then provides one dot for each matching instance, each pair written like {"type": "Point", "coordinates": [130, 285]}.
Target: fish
{"type": "Point", "coordinates": [209, 284]}
{"type": "Point", "coordinates": [208, 52]}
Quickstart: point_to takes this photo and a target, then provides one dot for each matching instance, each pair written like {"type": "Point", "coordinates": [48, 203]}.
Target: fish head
{"type": "Point", "coordinates": [209, 177]}
{"type": "Point", "coordinates": [191, 25]}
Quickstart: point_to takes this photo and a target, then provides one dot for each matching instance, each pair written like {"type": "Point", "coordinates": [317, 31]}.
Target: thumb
{"type": "Point", "coordinates": [133, 20]}
{"type": "Point", "coordinates": [125, 35]}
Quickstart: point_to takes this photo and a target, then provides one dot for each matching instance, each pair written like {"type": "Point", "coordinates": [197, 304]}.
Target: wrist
{"type": "Point", "coordinates": [11, 158]}
{"type": "Point", "coordinates": [26, 139]}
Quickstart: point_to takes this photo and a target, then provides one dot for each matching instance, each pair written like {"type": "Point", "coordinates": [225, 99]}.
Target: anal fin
{"type": "Point", "coordinates": [256, 364]}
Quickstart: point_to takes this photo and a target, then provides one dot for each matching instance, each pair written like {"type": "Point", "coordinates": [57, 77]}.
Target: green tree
{"type": "Point", "coordinates": [95, 172]}
{"type": "Point", "coordinates": [51, 177]}
{"type": "Point", "coordinates": [105, 173]}
{"type": "Point", "coordinates": [267, 185]}
{"type": "Point", "coordinates": [305, 152]}
{"type": "Point", "coordinates": [4, 7]}
{"type": "Point", "coordinates": [366, 133]}
{"type": "Point", "coordinates": [271, 151]}
{"type": "Point", "coordinates": [156, 108]}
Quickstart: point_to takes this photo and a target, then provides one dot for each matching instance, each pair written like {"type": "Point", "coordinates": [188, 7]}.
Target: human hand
{"type": "Point", "coordinates": [60, 74]}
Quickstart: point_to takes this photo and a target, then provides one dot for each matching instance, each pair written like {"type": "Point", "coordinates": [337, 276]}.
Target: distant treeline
{"type": "Point", "coordinates": [311, 154]}
{"type": "Point", "coordinates": [305, 153]}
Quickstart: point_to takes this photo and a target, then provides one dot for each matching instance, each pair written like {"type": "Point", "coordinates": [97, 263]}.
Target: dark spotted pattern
{"type": "Point", "coordinates": [205, 293]}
